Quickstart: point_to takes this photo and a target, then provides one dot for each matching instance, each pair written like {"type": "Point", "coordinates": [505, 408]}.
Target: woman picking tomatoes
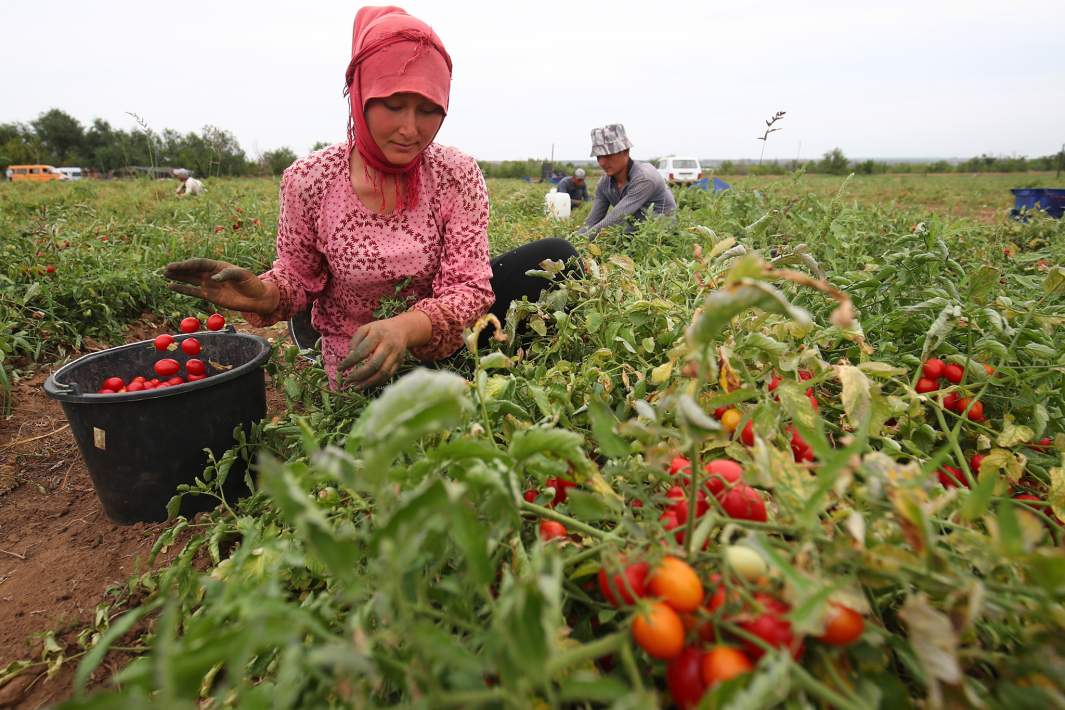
{"type": "Point", "coordinates": [388, 207]}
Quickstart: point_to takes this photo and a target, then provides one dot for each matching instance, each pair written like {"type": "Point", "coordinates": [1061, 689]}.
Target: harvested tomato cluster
{"type": "Point", "coordinates": [167, 369]}
{"type": "Point", "coordinates": [724, 482]}
{"type": "Point", "coordinates": [709, 635]}
{"type": "Point", "coordinates": [934, 371]}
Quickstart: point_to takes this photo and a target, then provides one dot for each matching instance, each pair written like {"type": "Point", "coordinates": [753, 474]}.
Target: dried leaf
{"type": "Point", "coordinates": [856, 397]}
{"type": "Point", "coordinates": [933, 639]}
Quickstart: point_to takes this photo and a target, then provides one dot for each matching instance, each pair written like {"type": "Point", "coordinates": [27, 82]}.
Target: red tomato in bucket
{"type": "Point", "coordinates": [195, 367]}
{"type": "Point", "coordinates": [114, 383]}
{"type": "Point", "coordinates": [189, 325]}
{"type": "Point", "coordinates": [190, 346]}
{"type": "Point", "coordinates": [162, 342]}
{"type": "Point", "coordinates": [167, 367]}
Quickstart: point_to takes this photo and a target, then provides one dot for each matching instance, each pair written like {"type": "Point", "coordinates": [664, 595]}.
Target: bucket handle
{"type": "Point", "coordinates": [62, 388]}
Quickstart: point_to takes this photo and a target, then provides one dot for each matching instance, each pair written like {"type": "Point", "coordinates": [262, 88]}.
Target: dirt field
{"type": "Point", "coordinates": [59, 554]}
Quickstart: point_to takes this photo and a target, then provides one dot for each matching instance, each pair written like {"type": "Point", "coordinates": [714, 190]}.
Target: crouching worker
{"type": "Point", "coordinates": [390, 206]}
{"type": "Point", "coordinates": [628, 190]}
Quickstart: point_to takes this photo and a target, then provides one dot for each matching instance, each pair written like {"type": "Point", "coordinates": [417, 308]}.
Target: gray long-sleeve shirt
{"type": "Point", "coordinates": [644, 187]}
{"type": "Point", "coordinates": [577, 193]}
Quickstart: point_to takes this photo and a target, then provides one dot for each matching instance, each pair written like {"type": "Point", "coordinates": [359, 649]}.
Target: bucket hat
{"type": "Point", "coordinates": [609, 140]}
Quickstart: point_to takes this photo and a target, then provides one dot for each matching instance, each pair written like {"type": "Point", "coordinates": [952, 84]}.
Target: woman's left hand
{"type": "Point", "coordinates": [378, 348]}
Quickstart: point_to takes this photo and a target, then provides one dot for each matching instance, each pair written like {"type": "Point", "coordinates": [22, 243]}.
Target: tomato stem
{"type": "Point", "coordinates": [566, 520]}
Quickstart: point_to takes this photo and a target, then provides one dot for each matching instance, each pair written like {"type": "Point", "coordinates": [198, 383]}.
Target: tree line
{"type": "Point", "coordinates": [57, 138]}
{"type": "Point", "coordinates": [834, 162]}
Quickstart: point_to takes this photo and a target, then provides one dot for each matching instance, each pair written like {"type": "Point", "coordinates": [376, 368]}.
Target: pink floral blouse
{"type": "Point", "coordinates": [335, 253]}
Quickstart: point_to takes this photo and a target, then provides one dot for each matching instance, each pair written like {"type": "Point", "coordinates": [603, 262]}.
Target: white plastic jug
{"type": "Point", "coordinates": [557, 204]}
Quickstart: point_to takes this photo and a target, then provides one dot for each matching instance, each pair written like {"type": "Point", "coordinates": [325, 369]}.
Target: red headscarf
{"type": "Point", "coordinates": [393, 52]}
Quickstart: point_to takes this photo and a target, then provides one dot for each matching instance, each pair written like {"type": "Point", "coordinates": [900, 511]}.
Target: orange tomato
{"type": "Point", "coordinates": [730, 419]}
{"type": "Point", "coordinates": [723, 663]}
{"type": "Point", "coordinates": [659, 631]}
{"type": "Point", "coordinates": [843, 626]}
{"type": "Point", "coordinates": [675, 582]}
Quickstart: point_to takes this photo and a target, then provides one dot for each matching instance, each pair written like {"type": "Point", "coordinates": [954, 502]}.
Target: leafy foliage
{"type": "Point", "coordinates": [389, 556]}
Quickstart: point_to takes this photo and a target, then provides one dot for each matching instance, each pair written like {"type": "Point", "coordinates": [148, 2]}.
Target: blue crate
{"type": "Point", "coordinates": [1050, 200]}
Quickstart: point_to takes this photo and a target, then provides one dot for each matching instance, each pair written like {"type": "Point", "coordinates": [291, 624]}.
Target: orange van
{"type": "Point", "coordinates": [33, 173]}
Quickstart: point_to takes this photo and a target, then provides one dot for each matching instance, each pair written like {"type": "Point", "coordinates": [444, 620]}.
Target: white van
{"type": "Point", "coordinates": [70, 173]}
{"type": "Point", "coordinates": [677, 169]}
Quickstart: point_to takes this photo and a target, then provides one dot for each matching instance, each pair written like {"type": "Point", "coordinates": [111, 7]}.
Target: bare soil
{"type": "Point", "coordinates": [59, 554]}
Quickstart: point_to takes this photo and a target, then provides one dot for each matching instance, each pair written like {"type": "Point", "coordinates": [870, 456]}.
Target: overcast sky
{"type": "Point", "coordinates": [931, 78]}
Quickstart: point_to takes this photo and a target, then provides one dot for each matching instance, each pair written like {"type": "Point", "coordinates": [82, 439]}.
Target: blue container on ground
{"type": "Point", "coordinates": [1050, 200]}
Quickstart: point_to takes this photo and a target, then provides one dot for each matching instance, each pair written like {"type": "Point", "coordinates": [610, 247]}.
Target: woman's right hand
{"type": "Point", "coordinates": [223, 284]}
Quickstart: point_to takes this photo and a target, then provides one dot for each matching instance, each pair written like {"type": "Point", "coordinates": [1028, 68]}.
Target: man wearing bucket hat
{"type": "Point", "coordinates": [575, 187]}
{"type": "Point", "coordinates": [628, 189]}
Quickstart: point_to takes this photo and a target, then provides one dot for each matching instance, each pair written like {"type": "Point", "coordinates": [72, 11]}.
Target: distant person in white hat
{"type": "Point", "coordinates": [628, 188]}
{"type": "Point", "coordinates": [189, 185]}
{"type": "Point", "coordinates": [575, 187]}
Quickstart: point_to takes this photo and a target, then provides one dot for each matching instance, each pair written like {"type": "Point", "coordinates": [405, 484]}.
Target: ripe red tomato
{"type": "Point", "coordinates": [215, 321]}
{"type": "Point", "coordinates": [190, 346]}
{"type": "Point", "coordinates": [679, 463]}
{"type": "Point", "coordinates": [197, 378]}
{"type": "Point", "coordinates": [953, 373]}
{"type": "Point", "coordinates": [176, 380]}
{"type": "Point", "coordinates": [167, 367]}
{"type": "Point", "coordinates": [843, 626]}
{"type": "Point", "coordinates": [50, 269]}
{"type": "Point", "coordinates": [976, 412]}
{"type": "Point", "coordinates": [659, 631]}
{"type": "Point", "coordinates": [114, 383]}
{"type": "Point", "coordinates": [974, 463]}
{"type": "Point", "coordinates": [1042, 445]}
{"type": "Point", "coordinates": [560, 485]}
{"type": "Point", "coordinates": [195, 367]}
{"type": "Point", "coordinates": [723, 473]}
{"type": "Point", "coordinates": [770, 627]}
{"type": "Point", "coordinates": [747, 435]}
{"type": "Point", "coordinates": [138, 378]}
{"type": "Point", "coordinates": [951, 477]}
{"type": "Point", "coordinates": [551, 529]}
{"type": "Point", "coordinates": [951, 401]}
{"type": "Point", "coordinates": [720, 412]}
{"type": "Point", "coordinates": [677, 584]}
{"type": "Point", "coordinates": [134, 386]}
{"type": "Point", "coordinates": [989, 370]}
{"type": "Point", "coordinates": [774, 382]}
{"type": "Point", "coordinates": [744, 503]}
{"type": "Point", "coordinates": [723, 663]}
{"type": "Point", "coordinates": [684, 677]}
{"type": "Point", "coordinates": [189, 325]}
{"type": "Point", "coordinates": [926, 385]}
{"type": "Point", "coordinates": [104, 390]}
{"type": "Point", "coordinates": [149, 385]}
{"type": "Point", "coordinates": [530, 495]}
{"type": "Point", "coordinates": [634, 576]}
{"type": "Point", "coordinates": [162, 342]}
{"type": "Point", "coordinates": [933, 368]}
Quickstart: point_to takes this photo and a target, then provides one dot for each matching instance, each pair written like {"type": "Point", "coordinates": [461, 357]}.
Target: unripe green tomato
{"type": "Point", "coordinates": [328, 495]}
{"type": "Point", "coordinates": [745, 562]}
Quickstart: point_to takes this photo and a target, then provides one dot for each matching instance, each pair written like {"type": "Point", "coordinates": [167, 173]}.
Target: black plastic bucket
{"type": "Point", "coordinates": [139, 446]}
